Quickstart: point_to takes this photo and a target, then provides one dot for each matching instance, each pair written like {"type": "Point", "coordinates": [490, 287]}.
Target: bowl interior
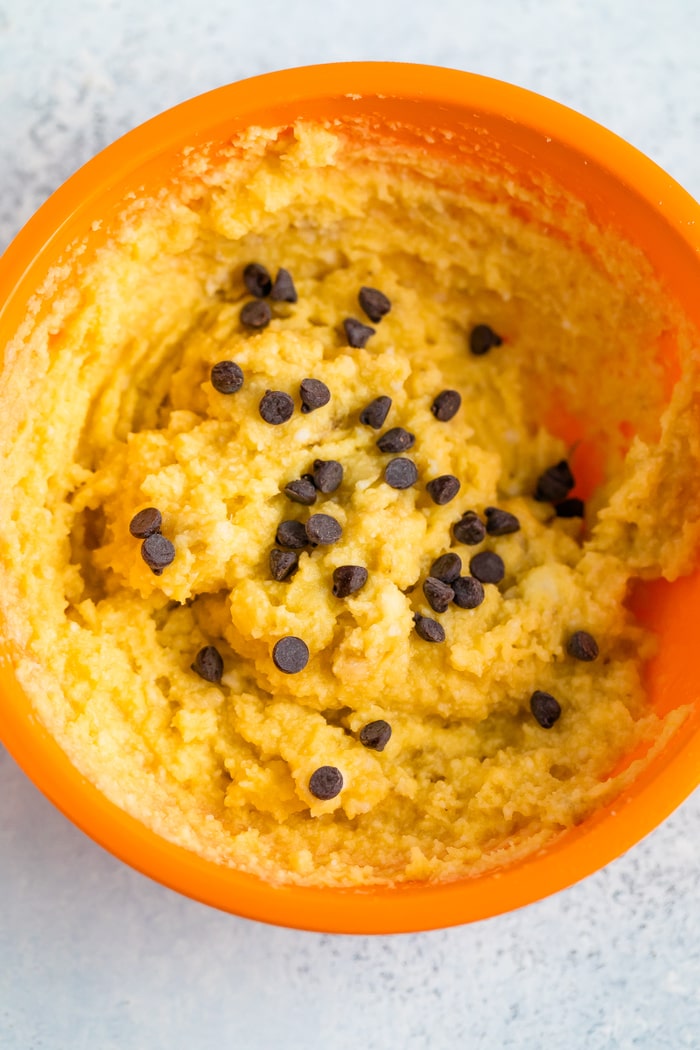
{"type": "Point", "coordinates": [505, 131]}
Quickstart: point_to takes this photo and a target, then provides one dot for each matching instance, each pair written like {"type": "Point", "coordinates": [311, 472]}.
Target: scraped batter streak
{"type": "Point", "coordinates": [110, 409]}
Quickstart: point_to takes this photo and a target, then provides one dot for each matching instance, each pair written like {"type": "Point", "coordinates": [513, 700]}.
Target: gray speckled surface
{"type": "Point", "coordinates": [93, 955]}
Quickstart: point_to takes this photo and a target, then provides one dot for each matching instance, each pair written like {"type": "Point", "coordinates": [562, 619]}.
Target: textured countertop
{"type": "Point", "coordinates": [93, 955]}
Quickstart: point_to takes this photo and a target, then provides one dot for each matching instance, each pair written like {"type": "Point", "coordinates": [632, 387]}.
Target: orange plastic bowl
{"type": "Point", "coordinates": [622, 189]}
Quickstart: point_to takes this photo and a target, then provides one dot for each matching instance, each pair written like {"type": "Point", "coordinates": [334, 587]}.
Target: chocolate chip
{"type": "Point", "coordinates": [301, 491]}
{"type": "Point", "coordinates": [482, 339]}
{"type": "Point", "coordinates": [328, 475]}
{"type": "Point", "coordinates": [374, 303]}
{"type": "Point", "coordinates": [555, 483]}
{"type": "Point", "coordinates": [500, 522]}
{"type": "Point", "coordinates": [157, 552]}
{"type": "Point", "coordinates": [582, 646]}
{"type": "Point", "coordinates": [209, 664]}
{"type": "Point", "coordinates": [376, 735]}
{"type": "Point", "coordinates": [376, 412]}
{"type": "Point", "coordinates": [446, 405]}
{"type": "Point", "coordinates": [401, 473]}
{"type": "Point", "coordinates": [437, 594]}
{"type": "Point", "coordinates": [276, 407]}
{"type": "Point", "coordinates": [283, 290]}
{"type": "Point", "coordinates": [326, 783]}
{"type": "Point", "coordinates": [487, 567]}
{"type": "Point", "coordinates": [447, 567]}
{"type": "Point", "coordinates": [257, 280]}
{"type": "Point", "coordinates": [545, 708]}
{"type": "Point", "coordinates": [470, 529]}
{"type": "Point", "coordinates": [291, 534]}
{"type": "Point", "coordinates": [256, 314]}
{"type": "Point", "coordinates": [283, 564]}
{"type": "Point", "coordinates": [347, 579]}
{"type": "Point", "coordinates": [441, 490]}
{"type": "Point", "coordinates": [396, 440]}
{"type": "Point", "coordinates": [468, 592]}
{"type": "Point", "coordinates": [427, 629]}
{"type": "Point", "coordinates": [226, 377]}
{"type": "Point", "coordinates": [323, 529]}
{"type": "Point", "coordinates": [357, 333]}
{"type": "Point", "coordinates": [290, 655]}
{"type": "Point", "coordinates": [570, 508]}
{"type": "Point", "coordinates": [314, 394]}
{"type": "Point", "coordinates": [145, 523]}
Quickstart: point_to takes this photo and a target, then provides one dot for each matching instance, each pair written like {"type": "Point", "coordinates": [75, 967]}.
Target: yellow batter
{"type": "Point", "coordinates": [110, 409]}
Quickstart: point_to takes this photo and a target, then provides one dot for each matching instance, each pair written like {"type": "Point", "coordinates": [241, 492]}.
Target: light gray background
{"type": "Point", "coordinates": [93, 955]}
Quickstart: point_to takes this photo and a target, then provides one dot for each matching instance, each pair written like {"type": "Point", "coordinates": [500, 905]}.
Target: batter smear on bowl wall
{"type": "Point", "coordinates": [302, 564]}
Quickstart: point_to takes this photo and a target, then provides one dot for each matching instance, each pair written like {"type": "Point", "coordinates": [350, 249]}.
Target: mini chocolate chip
{"type": "Point", "coordinates": [291, 534]}
{"type": "Point", "coordinates": [376, 735]}
{"type": "Point", "coordinates": [283, 564]}
{"type": "Point", "coordinates": [443, 489]}
{"type": "Point", "coordinates": [429, 630]}
{"type": "Point", "coordinates": [347, 579]}
{"type": "Point", "coordinates": [582, 646]}
{"type": "Point", "coordinates": [401, 473]}
{"type": "Point", "coordinates": [487, 567]}
{"type": "Point", "coordinates": [256, 314]}
{"type": "Point", "coordinates": [374, 303]}
{"type": "Point", "coordinates": [396, 440]}
{"type": "Point", "coordinates": [157, 552]}
{"type": "Point", "coordinates": [500, 522]}
{"type": "Point", "coordinates": [468, 591]}
{"type": "Point", "coordinates": [322, 528]}
{"type": "Point", "coordinates": [555, 483]}
{"type": "Point", "coordinates": [570, 508]}
{"type": "Point", "coordinates": [226, 377]}
{"type": "Point", "coordinates": [437, 594]}
{"type": "Point", "coordinates": [326, 783]}
{"type": "Point", "coordinates": [276, 407]}
{"type": "Point", "coordinates": [470, 529]}
{"type": "Point", "coordinates": [301, 491]}
{"type": "Point", "coordinates": [328, 475]}
{"type": "Point", "coordinates": [314, 394]}
{"type": "Point", "coordinates": [257, 280]}
{"type": "Point", "coordinates": [209, 664]}
{"type": "Point", "coordinates": [376, 412]}
{"type": "Point", "coordinates": [545, 708]}
{"type": "Point", "coordinates": [357, 333]}
{"type": "Point", "coordinates": [283, 290]}
{"type": "Point", "coordinates": [447, 567]}
{"type": "Point", "coordinates": [145, 523]}
{"type": "Point", "coordinates": [446, 405]}
{"type": "Point", "coordinates": [290, 655]}
{"type": "Point", "coordinates": [482, 338]}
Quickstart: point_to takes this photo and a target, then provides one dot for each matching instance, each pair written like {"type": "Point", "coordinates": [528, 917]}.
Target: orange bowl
{"type": "Point", "coordinates": [622, 190]}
